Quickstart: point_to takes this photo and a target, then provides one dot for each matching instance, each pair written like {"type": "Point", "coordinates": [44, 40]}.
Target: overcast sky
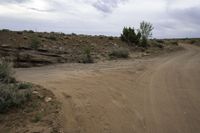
{"type": "Point", "coordinates": [171, 18]}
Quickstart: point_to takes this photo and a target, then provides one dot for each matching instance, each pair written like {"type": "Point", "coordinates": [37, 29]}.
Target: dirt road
{"type": "Point", "coordinates": [155, 95]}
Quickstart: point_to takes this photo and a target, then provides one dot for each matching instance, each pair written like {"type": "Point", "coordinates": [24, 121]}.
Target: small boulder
{"type": "Point", "coordinates": [48, 99]}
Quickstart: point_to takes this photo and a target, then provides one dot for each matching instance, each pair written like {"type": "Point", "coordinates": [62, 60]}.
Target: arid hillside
{"type": "Point", "coordinates": [28, 48]}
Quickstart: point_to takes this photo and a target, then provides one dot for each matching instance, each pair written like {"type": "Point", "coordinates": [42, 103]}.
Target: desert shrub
{"type": "Point", "coordinates": [101, 37]}
{"type": "Point", "coordinates": [156, 43]}
{"type": "Point", "coordinates": [174, 42]}
{"type": "Point", "coordinates": [30, 31]}
{"type": "Point", "coordinates": [119, 53]}
{"type": "Point", "coordinates": [35, 42]}
{"type": "Point", "coordinates": [24, 85]}
{"type": "Point", "coordinates": [144, 42]}
{"type": "Point", "coordinates": [130, 36]}
{"type": "Point", "coordinates": [160, 41]}
{"type": "Point", "coordinates": [19, 32]}
{"type": "Point", "coordinates": [40, 36]}
{"type": "Point", "coordinates": [5, 30]}
{"type": "Point", "coordinates": [193, 41]}
{"type": "Point", "coordinates": [11, 93]}
{"type": "Point", "coordinates": [6, 71]}
{"type": "Point", "coordinates": [159, 45]}
{"type": "Point", "coordinates": [110, 38]}
{"type": "Point", "coordinates": [52, 37]}
{"type": "Point", "coordinates": [87, 56]}
{"type": "Point", "coordinates": [74, 34]}
{"type": "Point", "coordinates": [11, 96]}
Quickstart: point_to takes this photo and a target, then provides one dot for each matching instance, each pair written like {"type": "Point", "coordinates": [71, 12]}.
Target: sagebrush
{"type": "Point", "coordinates": [119, 53]}
{"type": "Point", "coordinates": [12, 93]}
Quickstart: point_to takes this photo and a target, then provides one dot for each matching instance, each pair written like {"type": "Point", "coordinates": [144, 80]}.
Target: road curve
{"type": "Point", "coordinates": [155, 95]}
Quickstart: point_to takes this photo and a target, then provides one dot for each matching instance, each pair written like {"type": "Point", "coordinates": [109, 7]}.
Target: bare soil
{"type": "Point", "coordinates": [149, 95]}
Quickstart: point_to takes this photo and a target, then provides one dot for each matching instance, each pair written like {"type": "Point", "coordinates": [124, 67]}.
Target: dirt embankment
{"type": "Point", "coordinates": [154, 95]}
{"type": "Point", "coordinates": [27, 48]}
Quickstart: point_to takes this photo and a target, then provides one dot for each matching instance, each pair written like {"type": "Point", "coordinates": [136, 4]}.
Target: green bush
{"type": "Point", "coordinates": [35, 42]}
{"type": "Point", "coordinates": [192, 41]}
{"type": "Point", "coordinates": [160, 41]}
{"type": "Point", "coordinates": [6, 72]}
{"type": "Point", "coordinates": [11, 92]}
{"type": "Point", "coordinates": [130, 36]}
{"type": "Point", "coordinates": [52, 37]}
{"type": "Point", "coordinates": [11, 96]}
{"type": "Point", "coordinates": [87, 56]}
{"type": "Point", "coordinates": [174, 42]}
{"type": "Point", "coordinates": [24, 85]}
{"type": "Point", "coordinates": [110, 38]}
{"type": "Point", "coordinates": [5, 30]}
{"type": "Point", "coordinates": [144, 42]}
{"type": "Point", "coordinates": [74, 34]}
{"type": "Point", "coordinates": [119, 53]}
{"type": "Point", "coordinates": [157, 44]}
{"type": "Point", "coordinates": [30, 31]}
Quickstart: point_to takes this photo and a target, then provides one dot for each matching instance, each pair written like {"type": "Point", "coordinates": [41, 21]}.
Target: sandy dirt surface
{"type": "Point", "coordinates": [154, 95]}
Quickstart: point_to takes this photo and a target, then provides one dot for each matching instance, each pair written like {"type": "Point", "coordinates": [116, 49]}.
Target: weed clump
{"type": "Point", "coordinates": [12, 94]}
{"type": "Point", "coordinates": [6, 71]}
{"type": "Point", "coordinates": [52, 37]}
{"type": "Point", "coordinates": [87, 56]}
{"type": "Point", "coordinates": [119, 53]}
{"type": "Point", "coordinates": [35, 43]}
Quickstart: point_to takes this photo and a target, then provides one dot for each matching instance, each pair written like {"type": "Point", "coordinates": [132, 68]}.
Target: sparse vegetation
{"type": "Point", "coordinates": [52, 37]}
{"type": "Point", "coordinates": [24, 85]}
{"type": "Point", "coordinates": [19, 32]}
{"type": "Point", "coordinates": [12, 94]}
{"type": "Point", "coordinates": [30, 31]}
{"type": "Point", "coordinates": [37, 117]}
{"type": "Point", "coordinates": [174, 42]}
{"type": "Point", "coordinates": [87, 56]}
{"type": "Point", "coordinates": [157, 43]}
{"type": "Point", "coordinates": [160, 41]}
{"type": "Point", "coordinates": [110, 38]}
{"type": "Point", "coordinates": [50, 48]}
{"type": "Point", "coordinates": [119, 53]}
{"type": "Point", "coordinates": [35, 42]}
{"type": "Point", "coordinates": [74, 34]}
{"type": "Point", "coordinates": [5, 30]}
{"type": "Point", "coordinates": [6, 71]}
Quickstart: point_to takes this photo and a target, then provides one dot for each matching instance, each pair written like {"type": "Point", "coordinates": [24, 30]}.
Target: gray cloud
{"type": "Point", "coordinates": [107, 6]}
{"type": "Point", "coordinates": [40, 10]}
{"type": "Point", "coordinates": [12, 1]}
{"type": "Point", "coordinates": [171, 18]}
{"type": "Point", "coordinates": [189, 15]}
